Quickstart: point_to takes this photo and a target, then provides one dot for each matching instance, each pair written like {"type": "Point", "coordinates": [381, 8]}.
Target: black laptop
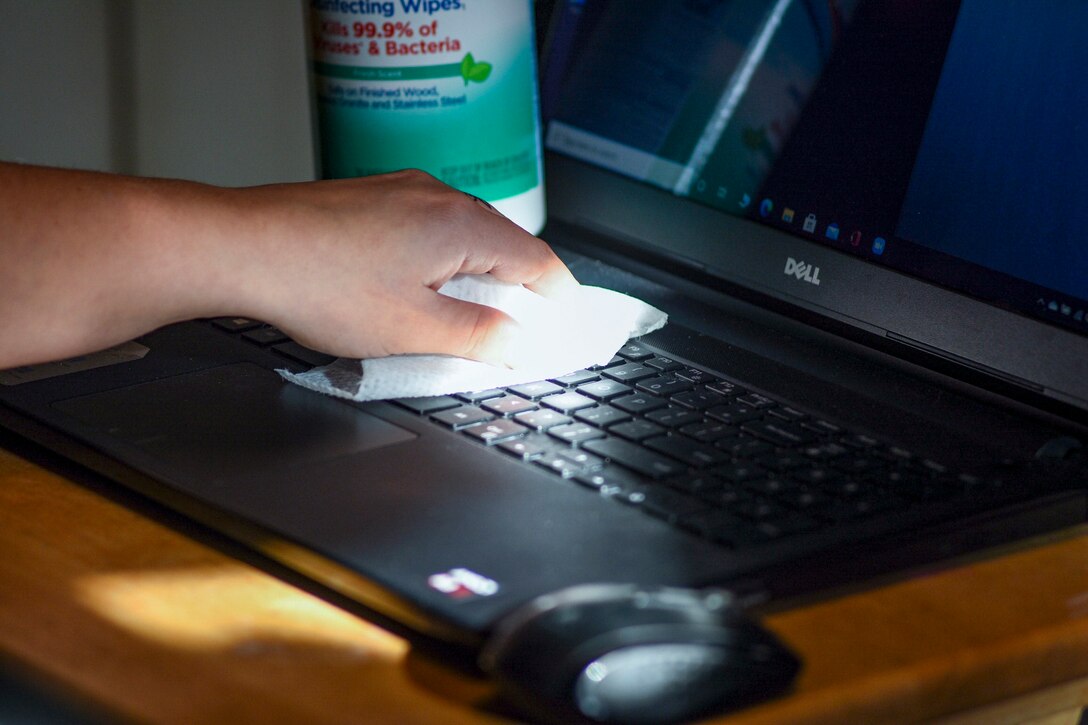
{"type": "Point", "coordinates": [865, 220]}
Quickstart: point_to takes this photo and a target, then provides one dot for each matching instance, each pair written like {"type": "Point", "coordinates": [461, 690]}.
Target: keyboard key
{"type": "Point", "coordinates": [537, 390]}
{"type": "Point", "coordinates": [672, 416]}
{"type": "Point", "coordinates": [696, 455]}
{"type": "Point", "coordinates": [824, 451]}
{"type": "Point", "coordinates": [900, 453]}
{"type": "Point", "coordinates": [463, 417]}
{"type": "Point", "coordinates": [773, 487]}
{"type": "Point", "coordinates": [668, 504]}
{"type": "Point", "coordinates": [495, 431]}
{"type": "Point", "coordinates": [480, 396]}
{"type": "Point", "coordinates": [569, 462]}
{"type": "Point", "coordinates": [429, 404]}
{"type": "Point", "coordinates": [934, 466]}
{"type": "Point", "coordinates": [508, 405]}
{"type": "Point", "coordinates": [529, 448]}
{"type": "Point", "coordinates": [758, 509]}
{"type": "Point", "coordinates": [747, 448]}
{"type": "Point", "coordinates": [604, 390]}
{"type": "Point", "coordinates": [665, 385]}
{"type": "Point", "coordinates": [576, 433]}
{"type": "Point", "coordinates": [636, 458]}
{"type": "Point", "coordinates": [602, 416]}
{"type": "Point", "coordinates": [805, 499]}
{"type": "Point", "coordinates": [302, 354]}
{"type": "Point", "coordinates": [610, 480]}
{"type": "Point", "coordinates": [265, 336]}
{"type": "Point", "coordinates": [859, 440]}
{"type": "Point", "coordinates": [816, 475]}
{"type": "Point", "coordinates": [846, 487]}
{"type": "Point", "coordinates": [822, 428]}
{"type": "Point", "coordinates": [637, 430]}
{"type": "Point", "coordinates": [755, 400]}
{"type": "Point", "coordinates": [739, 472]}
{"type": "Point", "coordinates": [783, 461]}
{"type": "Point", "coordinates": [787, 413]}
{"type": "Point", "coordinates": [664, 364]}
{"type": "Point", "coordinates": [699, 484]}
{"type": "Point", "coordinates": [236, 324]}
{"type": "Point", "coordinates": [542, 419]}
{"type": "Point", "coordinates": [778, 432]}
{"type": "Point", "coordinates": [576, 378]}
{"type": "Point", "coordinates": [696, 375]}
{"type": "Point", "coordinates": [710, 431]}
{"type": "Point", "coordinates": [629, 373]}
{"type": "Point", "coordinates": [640, 403]}
{"type": "Point", "coordinates": [699, 399]}
{"type": "Point", "coordinates": [635, 352]}
{"type": "Point", "coordinates": [568, 402]}
{"type": "Point", "coordinates": [734, 413]}
{"type": "Point", "coordinates": [726, 388]}
{"type": "Point", "coordinates": [728, 495]}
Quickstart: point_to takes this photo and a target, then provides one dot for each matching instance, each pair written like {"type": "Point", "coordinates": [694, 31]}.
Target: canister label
{"type": "Point", "coordinates": [447, 86]}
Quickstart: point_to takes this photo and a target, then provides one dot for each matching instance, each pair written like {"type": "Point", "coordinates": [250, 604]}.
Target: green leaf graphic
{"type": "Point", "coordinates": [473, 71]}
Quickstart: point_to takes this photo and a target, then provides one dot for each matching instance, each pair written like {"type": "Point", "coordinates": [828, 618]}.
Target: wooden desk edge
{"type": "Point", "coordinates": [914, 649]}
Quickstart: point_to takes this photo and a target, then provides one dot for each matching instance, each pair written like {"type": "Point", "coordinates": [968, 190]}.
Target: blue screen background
{"type": "Point", "coordinates": [1002, 179]}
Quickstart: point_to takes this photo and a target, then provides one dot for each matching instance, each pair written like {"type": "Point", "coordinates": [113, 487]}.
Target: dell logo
{"type": "Point", "coordinates": [807, 272]}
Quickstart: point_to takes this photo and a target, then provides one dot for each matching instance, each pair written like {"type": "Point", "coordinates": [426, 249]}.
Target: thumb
{"type": "Point", "coordinates": [467, 329]}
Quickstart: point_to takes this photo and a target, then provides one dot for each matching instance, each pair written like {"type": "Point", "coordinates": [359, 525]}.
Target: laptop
{"type": "Point", "coordinates": [863, 219]}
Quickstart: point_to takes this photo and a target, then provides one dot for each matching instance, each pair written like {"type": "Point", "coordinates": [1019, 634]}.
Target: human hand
{"type": "Point", "coordinates": [352, 267]}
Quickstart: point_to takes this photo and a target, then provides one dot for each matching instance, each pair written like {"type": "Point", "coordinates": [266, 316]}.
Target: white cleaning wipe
{"type": "Point", "coordinates": [586, 328]}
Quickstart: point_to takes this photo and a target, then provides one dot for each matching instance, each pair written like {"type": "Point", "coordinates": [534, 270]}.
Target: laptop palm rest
{"type": "Point", "coordinates": [231, 420]}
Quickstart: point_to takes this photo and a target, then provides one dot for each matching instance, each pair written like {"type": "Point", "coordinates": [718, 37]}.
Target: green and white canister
{"type": "Point", "coordinates": [447, 86]}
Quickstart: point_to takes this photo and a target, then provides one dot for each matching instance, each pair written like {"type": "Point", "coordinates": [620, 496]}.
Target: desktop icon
{"type": "Point", "coordinates": [832, 231]}
{"type": "Point", "coordinates": [765, 208]}
{"type": "Point", "coordinates": [855, 239]}
{"type": "Point", "coordinates": [745, 201]}
{"type": "Point", "coordinates": [722, 191]}
{"type": "Point", "coordinates": [878, 246]}
{"type": "Point", "coordinates": [787, 215]}
{"type": "Point", "coordinates": [810, 223]}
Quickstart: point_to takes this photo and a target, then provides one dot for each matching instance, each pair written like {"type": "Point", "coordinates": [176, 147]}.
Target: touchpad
{"type": "Point", "coordinates": [230, 420]}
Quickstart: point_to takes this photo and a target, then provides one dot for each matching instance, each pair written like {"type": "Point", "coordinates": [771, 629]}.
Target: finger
{"type": "Point", "coordinates": [531, 262]}
{"type": "Point", "coordinates": [554, 281]}
{"type": "Point", "coordinates": [450, 326]}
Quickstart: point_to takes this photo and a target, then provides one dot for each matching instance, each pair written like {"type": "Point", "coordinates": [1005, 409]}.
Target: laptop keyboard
{"type": "Point", "coordinates": [709, 455]}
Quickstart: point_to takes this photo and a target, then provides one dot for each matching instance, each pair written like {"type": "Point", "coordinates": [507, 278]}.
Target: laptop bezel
{"type": "Point", "coordinates": [690, 239]}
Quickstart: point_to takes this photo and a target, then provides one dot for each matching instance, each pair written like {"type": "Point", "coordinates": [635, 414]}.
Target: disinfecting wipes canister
{"type": "Point", "coordinates": [447, 86]}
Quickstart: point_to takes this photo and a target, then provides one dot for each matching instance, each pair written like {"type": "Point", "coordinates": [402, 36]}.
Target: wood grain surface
{"type": "Point", "coordinates": [136, 616]}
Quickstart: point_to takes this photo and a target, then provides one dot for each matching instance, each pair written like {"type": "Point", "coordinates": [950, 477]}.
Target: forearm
{"type": "Point", "coordinates": [88, 260]}
{"type": "Point", "coordinates": [350, 267]}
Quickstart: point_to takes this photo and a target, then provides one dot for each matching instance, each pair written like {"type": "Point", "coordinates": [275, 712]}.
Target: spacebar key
{"type": "Point", "coordinates": [631, 456]}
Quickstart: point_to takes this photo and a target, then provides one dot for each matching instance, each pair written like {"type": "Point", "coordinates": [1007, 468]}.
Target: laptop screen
{"type": "Point", "coordinates": [941, 139]}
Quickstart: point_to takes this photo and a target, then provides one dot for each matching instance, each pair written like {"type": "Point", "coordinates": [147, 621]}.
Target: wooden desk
{"type": "Point", "coordinates": [151, 624]}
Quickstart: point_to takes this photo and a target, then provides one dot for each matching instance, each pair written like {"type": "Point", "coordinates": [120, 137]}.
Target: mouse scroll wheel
{"type": "Point", "coordinates": [634, 684]}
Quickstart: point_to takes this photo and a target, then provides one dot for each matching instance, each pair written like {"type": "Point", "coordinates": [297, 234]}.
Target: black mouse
{"type": "Point", "coordinates": [623, 653]}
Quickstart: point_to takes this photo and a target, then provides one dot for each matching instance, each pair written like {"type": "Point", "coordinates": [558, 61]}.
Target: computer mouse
{"type": "Point", "coordinates": [630, 654]}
